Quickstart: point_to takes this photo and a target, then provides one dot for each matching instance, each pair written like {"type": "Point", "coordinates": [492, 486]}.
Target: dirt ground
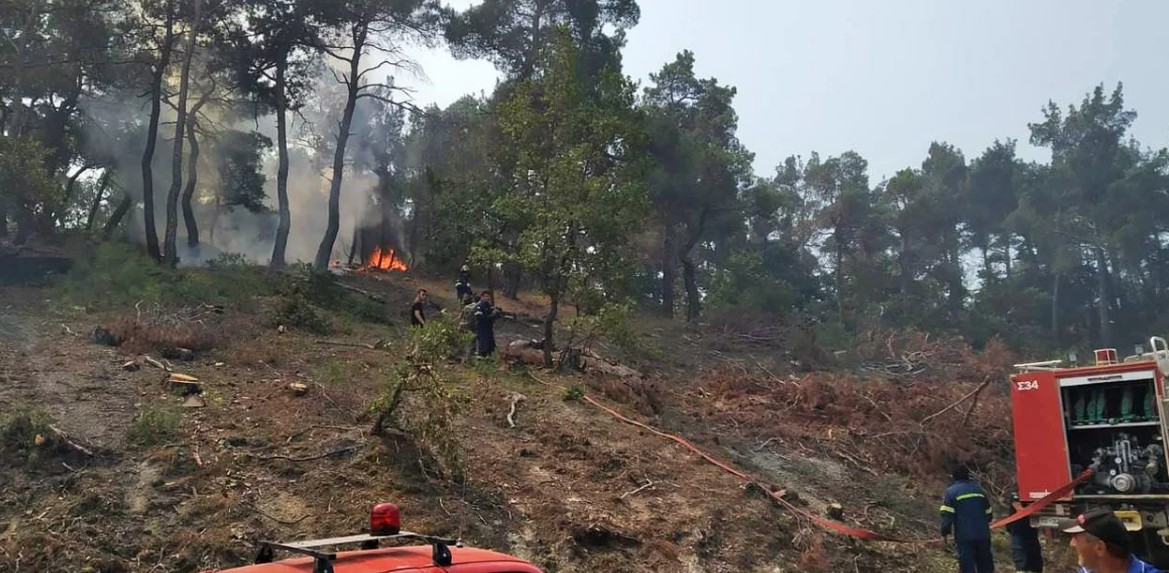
{"type": "Point", "coordinates": [569, 487]}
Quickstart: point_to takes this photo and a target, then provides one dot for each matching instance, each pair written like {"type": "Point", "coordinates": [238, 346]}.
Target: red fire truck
{"type": "Point", "coordinates": [433, 555]}
{"type": "Point", "coordinates": [1110, 417]}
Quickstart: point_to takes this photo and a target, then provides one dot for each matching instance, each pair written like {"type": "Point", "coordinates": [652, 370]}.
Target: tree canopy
{"type": "Point", "coordinates": [569, 179]}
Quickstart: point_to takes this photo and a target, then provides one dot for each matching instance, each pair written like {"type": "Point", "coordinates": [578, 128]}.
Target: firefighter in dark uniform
{"type": "Point", "coordinates": [463, 291]}
{"type": "Point", "coordinates": [966, 513]}
{"type": "Point", "coordinates": [486, 313]}
{"type": "Point", "coordinates": [1026, 551]}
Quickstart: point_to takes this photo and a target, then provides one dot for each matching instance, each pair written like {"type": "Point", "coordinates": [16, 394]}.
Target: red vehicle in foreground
{"type": "Point", "coordinates": [1112, 418]}
{"type": "Point", "coordinates": [385, 521]}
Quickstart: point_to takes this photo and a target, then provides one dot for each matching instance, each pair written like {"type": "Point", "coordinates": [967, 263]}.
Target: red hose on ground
{"type": "Point", "coordinates": [856, 532]}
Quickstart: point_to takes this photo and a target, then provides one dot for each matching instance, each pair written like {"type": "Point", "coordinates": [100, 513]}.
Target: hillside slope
{"type": "Point", "coordinates": [183, 484]}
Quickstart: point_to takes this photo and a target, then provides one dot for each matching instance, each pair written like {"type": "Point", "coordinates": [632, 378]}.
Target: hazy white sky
{"type": "Point", "coordinates": [887, 77]}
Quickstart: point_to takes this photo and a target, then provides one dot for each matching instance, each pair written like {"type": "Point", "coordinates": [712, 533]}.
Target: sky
{"type": "Point", "coordinates": [885, 78]}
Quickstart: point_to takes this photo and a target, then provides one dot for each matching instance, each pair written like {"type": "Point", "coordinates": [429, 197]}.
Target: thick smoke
{"type": "Point", "coordinates": [118, 130]}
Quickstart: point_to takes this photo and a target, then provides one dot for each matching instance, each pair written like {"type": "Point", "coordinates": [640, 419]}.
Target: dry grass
{"type": "Point", "coordinates": [138, 336]}
{"type": "Point", "coordinates": [643, 395]}
{"type": "Point", "coordinates": [911, 425]}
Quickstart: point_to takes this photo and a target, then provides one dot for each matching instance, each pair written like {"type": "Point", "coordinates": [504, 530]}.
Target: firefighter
{"type": "Point", "coordinates": [1102, 545]}
{"type": "Point", "coordinates": [966, 512]}
{"type": "Point", "coordinates": [1026, 552]}
{"type": "Point", "coordinates": [463, 289]}
{"type": "Point", "coordinates": [485, 315]}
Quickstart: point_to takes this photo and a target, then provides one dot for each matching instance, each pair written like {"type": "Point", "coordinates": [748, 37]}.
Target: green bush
{"type": "Point", "coordinates": [116, 274]}
{"type": "Point", "coordinates": [154, 426]}
{"type": "Point", "coordinates": [745, 283]}
{"type": "Point", "coordinates": [574, 392]}
{"type": "Point", "coordinates": [324, 291]}
{"type": "Point", "coordinates": [421, 400]}
{"type": "Point", "coordinates": [439, 338]}
{"type": "Point", "coordinates": [19, 429]}
{"type": "Point", "coordinates": [295, 311]}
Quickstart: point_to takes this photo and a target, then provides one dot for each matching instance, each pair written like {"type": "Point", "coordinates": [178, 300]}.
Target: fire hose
{"type": "Point", "coordinates": [856, 532]}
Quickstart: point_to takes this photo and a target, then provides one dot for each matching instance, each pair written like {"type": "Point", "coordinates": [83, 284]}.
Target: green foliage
{"type": "Point", "coordinates": [154, 426]}
{"type": "Point", "coordinates": [240, 169]}
{"type": "Point", "coordinates": [550, 178]}
{"type": "Point", "coordinates": [505, 31]}
{"type": "Point", "coordinates": [19, 428]}
{"type": "Point", "coordinates": [744, 283]}
{"type": "Point", "coordinates": [118, 274]}
{"type": "Point", "coordinates": [574, 392]}
{"type": "Point", "coordinates": [420, 398]}
{"type": "Point", "coordinates": [25, 184]}
{"type": "Point", "coordinates": [324, 290]}
{"type": "Point", "coordinates": [295, 311]}
{"type": "Point", "coordinates": [578, 197]}
{"type": "Point", "coordinates": [441, 336]}
{"type": "Point", "coordinates": [612, 322]}
{"type": "Point", "coordinates": [333, 373]}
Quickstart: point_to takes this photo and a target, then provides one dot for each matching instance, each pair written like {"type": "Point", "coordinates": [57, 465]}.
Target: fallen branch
{"type": "Point", "coordinates": [515, 399]}
{"type": "Point", "coordinates": [648, 484]}
{"type": "Point", "coordinates": [370, 295]}
{"type": "Point", "coordinates": [65, 440]}
{"type": "Point", "coordinates": [347, 344]}
{"type": "Point", "coordinates": [974, 392]}
{"type": "Point", "coordinates": [974, 402]}
{"type": "Point", "coordinates": [155, 363]}
{"type": "Point", "coordinates": [310, 458]}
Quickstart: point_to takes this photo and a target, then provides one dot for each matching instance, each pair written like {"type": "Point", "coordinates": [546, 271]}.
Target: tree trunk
{"type": "Point", "coordinates": [838, 274]}
{"type": "Point", "coordinates": [24, 224]}
{"type": "Point", "coordinates": [986, 270]}
{"type": "Point", "coordinates": [693, 298]}
{"type": "Point", "coordinates": [101, 191]}
{"type": "Point", "coordinates": [176, 182]}
{"type": "Point", "coordinates": [3, 221]}
{"type": "Point", "coordinates": [325, 251]}
{"type": "Point", "coordinates": [157, 76]}
{"type": "Point", "coordinates": [956, 289]}
{"type": "Point", "coordinates": [54, 218]}
{"type": "Point", "coordinates": [116, 217]}
{"type": "Point", "coordinates": [192, 180]}
{"type": "Point", "coordinates": [358, 245]}
{"type": "Point", "coordinates": [1103, 301]}
{"type": "Point", "coordinates": [285, 225]}
{"type": "Point", "coordinates": [512, 275]}
{"type": "Point", "coordinates": [549, 321]}
{"type": "Point", "coordinates": [669, 271]}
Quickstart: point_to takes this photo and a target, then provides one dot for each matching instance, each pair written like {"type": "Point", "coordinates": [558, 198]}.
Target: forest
{"type": "Point", "coordinates": [276, 129]}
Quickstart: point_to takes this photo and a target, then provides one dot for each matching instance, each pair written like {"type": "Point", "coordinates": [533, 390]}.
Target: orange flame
{"type": "Point", "coordinates": [386, 260]}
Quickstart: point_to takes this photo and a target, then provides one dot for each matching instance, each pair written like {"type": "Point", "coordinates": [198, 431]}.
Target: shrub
{"type": "Point", "coordinates": [574, 392]}
{"type": "Point", "coordinates": [154, 426]}
{"type": "Point", "coordinates": [119, 274]}
{"type": "Point", "coordinates": [420, 400]}
{"type": "Point", "coordinates": [295, 311]}
{"type": "Point", "coordinates": [115, 274]}
{"type": "Point", "coordinates": [20, 429]}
